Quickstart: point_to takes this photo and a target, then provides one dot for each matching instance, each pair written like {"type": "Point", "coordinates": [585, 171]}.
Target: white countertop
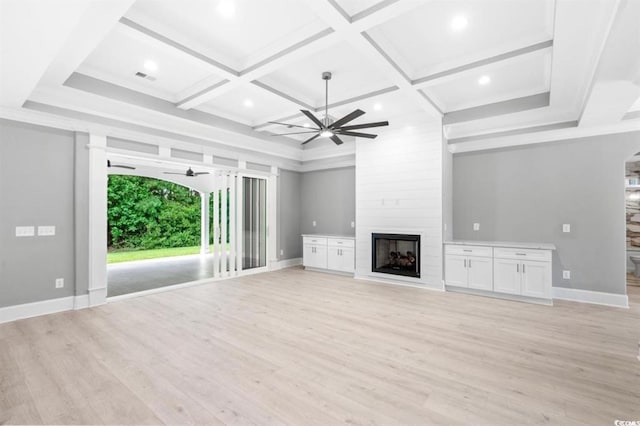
{"type": "Point", "coordinates": [329, 236]}
{"type": "Point", "coordinates": [510, 244]}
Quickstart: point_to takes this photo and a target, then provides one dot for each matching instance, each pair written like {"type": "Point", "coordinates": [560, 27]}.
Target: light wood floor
{"type": "Point", "coordinates": [298, 347]}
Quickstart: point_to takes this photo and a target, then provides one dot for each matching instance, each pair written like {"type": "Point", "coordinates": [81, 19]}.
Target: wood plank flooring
{"type": "Point", "coordinates": [299, 347]}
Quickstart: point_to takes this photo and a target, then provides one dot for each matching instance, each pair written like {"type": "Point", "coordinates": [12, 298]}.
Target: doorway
{"type": "Point", "coordinates": [632, 213]}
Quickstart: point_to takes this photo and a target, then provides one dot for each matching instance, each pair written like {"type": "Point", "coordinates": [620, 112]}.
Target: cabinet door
{"type": "Point", "coordinates": [506, 276]}
{"type": "Point", "coordinates": [455, 270]}
{"type": "Point", "coordinates": [536, 279]}
{"type": "Point", "coordinates": [334, 260]}
{"type": "Point", "coordinates": [314, 256]}
{"type": "Point", "coordinates": [347, 259]}
{"type": "Point", "coordinates": [480, 272]}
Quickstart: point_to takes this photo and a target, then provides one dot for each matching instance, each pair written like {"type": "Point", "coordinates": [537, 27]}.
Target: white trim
{"type": "Point", "coordinates": [542, 137]}
{"type": "Point", "coordinates": [497, 295]}
{"type": "Point", "coordinates": [380, 280]}
{"type": "Point", "coordinates": [587, 296]}
{"type": "Point", "coordinates": [163, 289]}
{"type": "Point", "coordinates": [43, 307]}
{"type": "Point", "coordinates": [81, 302]}
{"type": "Point", "coordinates": [97, 219]}
{"type": "Point", "coordinates": [285, 263]}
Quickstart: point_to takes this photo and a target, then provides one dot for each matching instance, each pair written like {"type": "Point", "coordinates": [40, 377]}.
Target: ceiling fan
{"type": "Point", "coordinates": [122, 166]}
{"type": "Point", "coordinates": [188, 173]}
{"type": "Point", "coordinates": [333, 130]}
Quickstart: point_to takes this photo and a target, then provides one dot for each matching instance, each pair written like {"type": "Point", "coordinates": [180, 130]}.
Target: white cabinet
{"type": "Point", "coordinates": [314, 256]}
{"type": "Point", "coordinates": [523, 272]}
{"type": "Point", "coordinates": [329, 253]}
{"type": "Point", "coordinates": [507, 270]}
{"type": "Point", "coordinates": [341, 254]}
{"type": "Point", "coordinates": [470, 267]}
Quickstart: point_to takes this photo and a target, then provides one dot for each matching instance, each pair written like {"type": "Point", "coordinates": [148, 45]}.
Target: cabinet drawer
{"type": "Point", "coordinates": [482, 251]}
{"type": "Point", "coordinates": [522, 254]}
{"type": "Point", "coordinates": [341, 242]}
{"type": "Point", "coordinates": [314, 241]}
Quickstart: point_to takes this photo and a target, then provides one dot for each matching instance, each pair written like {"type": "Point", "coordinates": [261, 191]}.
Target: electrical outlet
{"type": "Point", "coordinates": [566, 275]}
{"type": "Point", "coordinates": [281, 252]}
{"type": "Point", "coordinates": [46, 231]}
{"type": "Point", "coordinates": [25, 231]}
{"type": "Point", "coordinates": [476, 226]}
{"type": "Point", "coordinates": [314, 223]}
{"type": "Point", "coordinates": [566, 227]}
{"type": "Point", "coordinates": [59, 282]}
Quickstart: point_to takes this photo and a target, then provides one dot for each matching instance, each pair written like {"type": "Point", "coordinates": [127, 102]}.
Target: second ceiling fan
{"type": "Point", "coordinates": [333, 130]}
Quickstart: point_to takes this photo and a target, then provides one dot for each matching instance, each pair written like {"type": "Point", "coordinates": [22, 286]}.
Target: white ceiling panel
{"type": "Point", "coordinates": [249, 104]}
{"type": "Point", "coordinates": [522, 76]}
{"type": "Point", "coordinates": [255, 30]}
{"type": "Point", "coordinates": [352, 76]}
{"type": "Point", "coordinates": [353, 7]}
{"type": "Point", "coordinates": [124, 52]}
{"type": "Point", "coordinates": [425, 42]}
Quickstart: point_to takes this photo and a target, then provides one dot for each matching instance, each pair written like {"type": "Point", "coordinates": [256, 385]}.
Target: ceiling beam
{"type": "Point", "coordinates": [440, 77]}
{"type": "Point", "coordinates": [498, 108]}
{"type": "Point", "coordinates": [355, 34]}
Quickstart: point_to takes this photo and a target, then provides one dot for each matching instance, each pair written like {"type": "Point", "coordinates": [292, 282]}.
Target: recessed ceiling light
{"type": "Point", "coordinates": [248, 103]}
{"type": "Point", "coordinates": [227, 8]}
{"type": "Point", "coordinates": [458, 23]}
{"type": "Point", "coordinates": [150, 66]}
{"type": "Point", "coordinates": [326, 134]}
{"type": "Point", "coordinates": [484, 80]}
{"type": "Point", "coordinates": [377, 106]}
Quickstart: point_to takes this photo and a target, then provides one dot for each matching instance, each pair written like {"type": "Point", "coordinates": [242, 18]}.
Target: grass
{"type": "Point", "coordinates": [127, 256]}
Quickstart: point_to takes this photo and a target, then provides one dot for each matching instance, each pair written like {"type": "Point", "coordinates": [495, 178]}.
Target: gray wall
{"type": "Point", "coordinates": [36, 188]}
{"type": "Point", "coordinates": [329, 198]}
{"type": "Point", "coordinates": [289, 242]}
{"type": "Point", "coordinates": [527, 193]}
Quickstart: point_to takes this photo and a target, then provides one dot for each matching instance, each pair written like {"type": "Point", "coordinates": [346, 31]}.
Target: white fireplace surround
{"type": "Point", "coordinates": [401, 192]}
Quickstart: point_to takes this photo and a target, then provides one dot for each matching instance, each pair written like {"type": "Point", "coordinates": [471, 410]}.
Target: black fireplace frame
{"type": "Point", "coordinates": [401, 237]}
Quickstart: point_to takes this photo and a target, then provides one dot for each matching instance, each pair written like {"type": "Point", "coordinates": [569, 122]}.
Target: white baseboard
{"type": "Point", "coordinates": [286, 263]}
{"type": "Point", "coordinates": [45, 307]}
{"type": "Point", "coordinates": [587, 296]}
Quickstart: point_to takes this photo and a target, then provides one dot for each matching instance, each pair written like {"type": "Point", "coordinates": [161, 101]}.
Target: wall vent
{"type": "Point", "coordinates": [145, 76]}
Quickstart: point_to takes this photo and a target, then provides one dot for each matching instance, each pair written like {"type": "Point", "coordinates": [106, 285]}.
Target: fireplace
{"type": "Point", "coordinates": [397, 254]}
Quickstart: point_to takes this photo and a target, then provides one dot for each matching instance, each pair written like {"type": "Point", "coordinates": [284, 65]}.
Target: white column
{"type": "Point", "coordinates": [97, 220]}
{"type": "Point", "coordinates": [216, 230]}
{"type": "Point", "coordinates": [233, 237]}
{"type": "Point", "coordinates": [224, 184]}
{"type": "Point", "coordinates": [204, 222]}
{"type": "Point", "coordinates": [272, 220]}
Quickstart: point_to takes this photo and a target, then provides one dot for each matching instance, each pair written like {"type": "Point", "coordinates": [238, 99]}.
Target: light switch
{"type": "Point", "coordinates": [353, 224]}
{"type": "Point", "coordinates": [25, 231]}
{"type": "Point", "coordinates": [46, 231]}
{"type": "Point", "coordinates": [566, 227]}
{"type": "Point", "coordinates": [476, 226]}
{"type": "Point", "coordinates": [566, 275]}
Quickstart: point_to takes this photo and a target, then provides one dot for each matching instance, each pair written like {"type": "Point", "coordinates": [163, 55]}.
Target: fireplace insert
{"type": "Point", "coordinates": [397, 254]}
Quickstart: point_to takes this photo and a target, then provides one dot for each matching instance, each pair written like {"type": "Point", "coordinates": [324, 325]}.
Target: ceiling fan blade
{"type": "Point", "coordinates": [295, 133]}
{"type": "Point", "coordinates": [312, 118]}
{"type": "Point", "coordinates": [365, 125]}
{"type": "Point", "coordinates": [310, 139]}
{"type": "Point", "coordinates": [173, 173]}
{"type": "Point", "coordinates": [347, 118]}
{"type": "Point", "coordinates": [359, 135]}
{"type": "Point", "coordinates": [336, 140]}
{"type": "Point", "coordinates": [200, 173]}
{"type": "Point", "coordinates": [286, 124]}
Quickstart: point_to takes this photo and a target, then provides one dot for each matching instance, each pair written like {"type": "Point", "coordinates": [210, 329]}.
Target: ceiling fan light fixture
{"type": "Point", "coordinates": [326, 133]}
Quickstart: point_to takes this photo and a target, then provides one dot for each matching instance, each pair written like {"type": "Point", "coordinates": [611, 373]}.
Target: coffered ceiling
{"type": "Point", "coordinates": [214, 73]}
